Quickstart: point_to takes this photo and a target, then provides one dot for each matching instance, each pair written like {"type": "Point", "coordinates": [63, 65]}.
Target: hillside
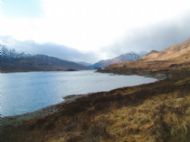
{"type": "Point", "coordinates": [174, 58]}
{"type": "Point", "coordinates": [14, 61]}
{"type": "Point", "coordinates": [37, 63]}
{"type": "Point", "coordinates": [178, 53]}
{"type": "Point", "coordinates": [119, 59]}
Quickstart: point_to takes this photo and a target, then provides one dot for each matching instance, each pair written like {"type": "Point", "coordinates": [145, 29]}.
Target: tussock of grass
{"type": "Point", "coordinates": [165, 117]}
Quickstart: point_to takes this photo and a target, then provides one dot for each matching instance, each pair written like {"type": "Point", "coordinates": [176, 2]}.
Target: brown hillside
{"type": "Point", "coordinates": [178, 52]}
{"type": "Point", "coordinates": [174, 58]}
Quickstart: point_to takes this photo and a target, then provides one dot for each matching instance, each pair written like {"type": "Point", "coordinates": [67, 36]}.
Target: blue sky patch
{"type": "Point", "coordinates": [22, 8]}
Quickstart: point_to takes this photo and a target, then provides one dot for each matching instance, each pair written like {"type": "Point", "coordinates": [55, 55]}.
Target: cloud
{"type": "Point", "coordinates": [1, 5]}
{"type": "Point", "coordinates": [156, 37]}
{"type": "Point", "coordinates": [94, 26]}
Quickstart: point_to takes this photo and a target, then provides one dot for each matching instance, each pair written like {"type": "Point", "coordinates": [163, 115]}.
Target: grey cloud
{"type": "Point", "coordinates": [157, 37]}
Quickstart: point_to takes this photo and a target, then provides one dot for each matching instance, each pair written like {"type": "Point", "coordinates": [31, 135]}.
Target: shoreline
{"type": "Point", "coordinates": [158, 76]}
{"type": "Point", "coordinates": [70, 98]}
{"type": "Point", "coordinates": [6, 72]}
{"type": "Point", "coordinates": [40, 113]}
{"type": "Point", "coordinates": [51, 109]}
{"type": "Point", "coordinates": [95, 111]}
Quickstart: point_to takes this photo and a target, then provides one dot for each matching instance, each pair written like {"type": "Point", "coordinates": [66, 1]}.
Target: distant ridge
{"type": "Point", "coordinates": [10, 61]}
{"type": "Point", "coordinates": [119, 59]}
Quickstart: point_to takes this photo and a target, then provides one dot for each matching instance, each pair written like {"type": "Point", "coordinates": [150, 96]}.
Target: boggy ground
{"type": "Point", "coordinates": [157, 112]}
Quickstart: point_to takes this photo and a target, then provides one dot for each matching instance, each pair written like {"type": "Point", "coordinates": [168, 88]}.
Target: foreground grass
{"type": "Point", "coordinates": [158, 112]}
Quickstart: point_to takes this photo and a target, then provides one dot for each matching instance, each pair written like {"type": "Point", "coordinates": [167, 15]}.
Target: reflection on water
{"type": "Point", "coordinates": [26, 92]}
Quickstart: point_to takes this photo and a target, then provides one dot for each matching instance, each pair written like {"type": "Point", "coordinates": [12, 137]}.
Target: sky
{"type": "Point", "coordinates": [104, 27]}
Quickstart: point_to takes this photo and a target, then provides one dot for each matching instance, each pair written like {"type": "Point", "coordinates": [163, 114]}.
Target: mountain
{"type": "Point", "coordinates": [11, 61]}
{"type": "Point", "coordinates": [86, 64]}
{"type": "Point", "coordinates": [50, 49]}
{"type": "Point", "coordinates": [38, 63]}
{"type": "Point", "coordinates": [122, 58]}
{"type": "Point", "coordinates": [174, 58]}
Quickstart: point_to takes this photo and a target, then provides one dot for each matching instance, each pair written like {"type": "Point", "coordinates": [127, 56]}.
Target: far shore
{"type": "Point", "coordinates": [23, 71]}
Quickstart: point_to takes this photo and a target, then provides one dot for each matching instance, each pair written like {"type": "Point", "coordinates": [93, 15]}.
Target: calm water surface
{"type": "Point", "coordinates": [26, 92]}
